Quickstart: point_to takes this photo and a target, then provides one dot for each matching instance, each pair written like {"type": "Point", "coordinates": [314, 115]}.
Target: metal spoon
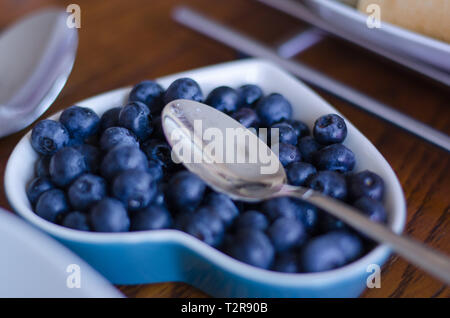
{"type": "Point", "coordinates": [185, 123]}
{"type": "Point", "coordinates": [36, 57]}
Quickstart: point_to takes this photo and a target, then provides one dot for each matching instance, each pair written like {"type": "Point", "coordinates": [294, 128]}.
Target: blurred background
{"type": "Point", "coordinates": [124, 42]}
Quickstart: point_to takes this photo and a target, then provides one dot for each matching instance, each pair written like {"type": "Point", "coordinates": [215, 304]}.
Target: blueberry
{"type": "Point", "coordinates": [134, 188]}
{"type": "Point", "coordinates": [205, 225]}
{"type": "Point", "coordinates": [160, 152]}
{"type": "Point", "coordinates": [300, 128]}
{"type": "Point", "coordinates": [92, 156]}
{"type": "Point", "coordinates": [252, 219]}
{"type": "Point", "coordinates": [81, 122]}
{"type": "Point", "coordinates": [66, 165]}
{"type": "Point", "coordinates": [109, 215]}
{"type": "Point", "coordinates": [308, 146]}
{"type": "Point", "coordinates": [247, 117]}
{"type": "Point", "coordinates": [110, 118]}
{"type": "Point", "coordinates": [51, 205]}
{"type": "Point", "coordinates": [306, 214]}
{"type": "Point", "coordinates": [273, 108]}
{"type": "Point", "coordinates": [279, 207]}
{"type": "Point", "coordinates": [298, 173]}
{"type": "Point", "coordinates": [36, 187]}
{"type": "Point", "coordinates": [373, 209]}
{"type": "Point", "coordinates": [287, 262]}
{"type": "Point", "coordinates": [286, 233]}
{"type": "Point", "coordinates": [136, 117]}
{"type": "Point", "coordinates": [329, 183]}
{"type": "Point", "coordinates": [288, 154]}
{"type": "Point", "coordinates": [222, 206]}
{"type": "Point", "coordinates": [330, 251]}
{"type": "Point", "coordinates": [86, 190]}
{"type": "Point", "coordinates": [122, 158]}
{"type": "Point", "coordinates": [335, 157]}
{"type": "Point", "coordinates": [223, 98]}
{"type": "Point", "coordinates": [153, 217]}
{"type": "Point", "coordinates": [185, 191]}
{"type": "Point", "coordinates": [158, 131]}
{"type": "Point", "coordinates": [76, 220]}
{"type": "Point", "coordinates": [183, 88]}
{"type": "Point", "coordinates": [329, 223]}
{"type": "Point", "coordinates": [150, 93]}
{"type": "Point", "coordinates": [249, 95]}
{"type": "Point", "coordinates": [330, 129]}
{"type": "Point", "coordinates": [48, 136]}
{"type": "Point", "coordinates": [286, 133]}
{"type": "Point", "coordinates": [155, 170]}
{"type": "Point", "coordinates": [42, 167]}
{"type": "Point", "coordinates": [160, 197]}
{"type": "Point", "coordinates": [252, 247]}
{"type": "Point", "coordinates": [114, 136]}
{"type": "Point", "coordinates": [366, 184]}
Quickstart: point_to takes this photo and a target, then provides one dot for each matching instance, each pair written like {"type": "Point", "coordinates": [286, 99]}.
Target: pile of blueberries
{"type": "Point", "coordinates": [115, 174]}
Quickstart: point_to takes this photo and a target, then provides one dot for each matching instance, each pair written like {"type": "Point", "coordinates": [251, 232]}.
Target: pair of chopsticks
{"type": "Point", "coordinates": [202, 24]}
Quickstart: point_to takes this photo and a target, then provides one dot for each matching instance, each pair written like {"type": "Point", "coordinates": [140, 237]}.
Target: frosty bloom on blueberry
{"type": "Point", "coordinates": [115, 173]}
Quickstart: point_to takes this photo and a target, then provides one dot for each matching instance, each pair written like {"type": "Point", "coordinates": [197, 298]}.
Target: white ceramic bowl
{"type": "Point", "coordinates": [170, 255]}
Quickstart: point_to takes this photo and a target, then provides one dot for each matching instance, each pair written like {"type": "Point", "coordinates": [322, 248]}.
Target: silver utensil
{"type": "Point", "coordinates": [250, 180]}
{"type": "Point", "coordinates": [36, 57]}
{"type": "Point", "coordinates": [238, 41]}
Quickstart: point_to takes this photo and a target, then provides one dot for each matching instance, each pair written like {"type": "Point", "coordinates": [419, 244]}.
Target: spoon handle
{"type": "Point", "coordinates": [433, 262]}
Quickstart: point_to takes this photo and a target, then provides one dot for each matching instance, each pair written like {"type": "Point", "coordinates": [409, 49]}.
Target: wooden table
{"type": "Point", "coordinates": [124, 42]}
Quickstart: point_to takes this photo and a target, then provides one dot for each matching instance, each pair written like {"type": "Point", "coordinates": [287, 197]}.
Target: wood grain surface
{"type": "Point", "coordinates": [124, 42]}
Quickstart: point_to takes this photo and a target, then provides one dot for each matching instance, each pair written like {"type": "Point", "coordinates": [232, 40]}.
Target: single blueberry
{"type": "Point", "coordinates": [223, 98]}
{"type": "Point", "coordinates": [86, 190]}
{"type": "Point", "coordinates": [155, 170]}
{"type": "Point", "coordinates": [48, 136]}
{"type": "Point", "coordinates": [287, 262]}
{"type": "Point", "coordinates": [222, 206]}
{"type": "Point", "coordinates": [330, 129]}
{"type": "Point", "coordinates": [122, 158]}
{"type": "Point", "coordinates": [247, 117]}
{"type": "Point", "coordinates": [134, 188]}
{"type": "Point", "coordinates": [373, 209]}
{"type": "Point", "coordinates": [330, 251]}
{"type": "Point", "coordinates": [328, 223]}
{"type": "Point", "coordinates": [308, 146]}
{"type": "Point", "coordinates": [92, 156]}
{"type": "Point", "coordinates": [251, 219]}
{"type": "Point", "coordinates": [298, 173]}
{"type": "Point", "coordinates": [205, 225]}
{"type": "Point", "coordinates": [42, 167]}
{"type": "Point", "coordinates": [300, 128]}
{"type": "Point", "coordinates": [366, 184]}
{"type": "Point", "coordinates": [160, 152]}
{"type": "Point", "coordinates": [76, 220]}
{"type": "Point", "coordinates": [307, 214]}
{"type": "Point", "coordinates": [109, 215]}
{"type": "Point", "coordinates": [249, 95]}
{"type": "Point", "coordinates": [51, 205]}
{"type": "Point", "coordinates": [36, 187]}
{"type": "Point", "coordinates": [273, 108]}
{"type": "Point", "coordinates": [183, 88]}
{"type": "Point", "coordinates": [160, 196]}
{"type": "Point", "coordinates": [286, 233]}
{"type": "Point", "coordinates": [329, 183]}
{"type": "Point", "coordinates": [288, 154]}
{"type": "Point", "coordinates": [81, 122]}
{"type": "Point", "coordinates": [137, 118]}
{"type": "Point", "coordinates": [150, 93]}
{"type": "Point", "coordinates": [153, 217]}
{"type": "Point", "coordinates": [286, 133]}
{"type": "Point", "coordinates": [252, 247]}
{"type": "Point", "coordinates": [110, 118]}
{"type": "Point", "coordinates": [335, 157]}
{"type": "Point", "coordinates": [114, 136]}
{"type": "Point", "coordinates": [279, 207]}
{"type": "Point", "coordinates": [66, 165]}
{"type": "Point", "coordinates": [185, 191]}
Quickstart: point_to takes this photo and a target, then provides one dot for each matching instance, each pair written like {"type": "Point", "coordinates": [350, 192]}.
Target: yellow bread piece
{"type": "Point", "coordinates": [429, 17]}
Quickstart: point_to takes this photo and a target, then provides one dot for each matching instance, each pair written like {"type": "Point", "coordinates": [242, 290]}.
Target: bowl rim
{"type": "Point", "coordinates": [212, 255]}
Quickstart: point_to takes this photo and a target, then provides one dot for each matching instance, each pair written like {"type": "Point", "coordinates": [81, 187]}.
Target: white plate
{"type": "Point", "coordinates": [34, 265]}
